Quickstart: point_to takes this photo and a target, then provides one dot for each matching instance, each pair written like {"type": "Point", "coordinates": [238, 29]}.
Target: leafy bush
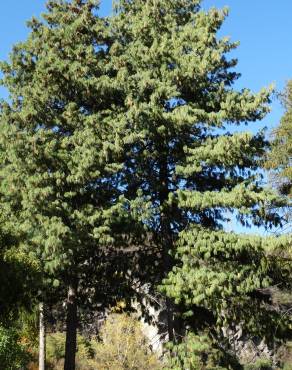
{"type": "Point", "coordinates": [13, 355]}
{"type": "Point", "coordinates": [56, 352]}
{"type": "Point", "coordinates": [284, 355]}
{"type": "Point", "coordinates": [124, 346]}
{"type": "Point", "coordinates": [261, 364]}
{"type": "Point", "coordinates": [55, 346]}
{"type": "Point", "coordinates": [197, 352]}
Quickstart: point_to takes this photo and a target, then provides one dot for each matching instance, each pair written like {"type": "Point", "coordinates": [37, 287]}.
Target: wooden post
{"type": "Point", "coordinates": [42, 338]}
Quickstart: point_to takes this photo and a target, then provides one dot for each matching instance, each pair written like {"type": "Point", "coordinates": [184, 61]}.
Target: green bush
{"type": "Point", "coordinates": [261, 364]}
{"type": "Point", "coordinates": [195, 352]}
{"type": "Point", "coordinates": [285, 355]}
{"type": "Point", "coordinates": [55, 346]}
{"type": "Point", "coordinates": [56, 352]}
{"type": "Point", "coordinates": [13, 355]}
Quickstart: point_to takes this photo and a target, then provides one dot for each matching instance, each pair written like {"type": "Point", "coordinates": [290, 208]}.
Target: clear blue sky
{"type": "Point", "coordinates": [261, 26]}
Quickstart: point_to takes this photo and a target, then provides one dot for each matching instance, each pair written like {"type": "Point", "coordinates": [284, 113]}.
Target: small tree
{"type": "Point", "coordinates": [124, 346]}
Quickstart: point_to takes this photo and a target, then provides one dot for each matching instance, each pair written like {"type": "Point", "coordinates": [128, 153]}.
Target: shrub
{"type": "Point", "coordinates": [261, 364]}
{"type": "Point", "coordinates": [13, 355]}
{"type": "Point", "coordinates": [195, 352]}
{"type": "Point", "coordinates": [56, 352]}
{"type": "Point", "coordinates": [124, 346]}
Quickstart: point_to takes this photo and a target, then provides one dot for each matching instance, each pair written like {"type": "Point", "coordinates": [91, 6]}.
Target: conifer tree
{"type": "Point", "coordinates": [280, 156]}
{"type": "Point", "coordinates": [60, 148]}
{"type": "Point", "coordinates": [127, 119]}
{"type": "Point", "coordinates": [184, 166]}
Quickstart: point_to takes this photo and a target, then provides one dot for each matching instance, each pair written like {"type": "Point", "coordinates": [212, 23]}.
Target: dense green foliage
{"type": "Point", "coordinates": [13, 355]}
{"type": "Point", "coordinates": [58, 139]}
{"type": "Point", "coordinates": [59, 145]}
{"type": "Point", "coordinates": [196, 352]}
{"type": "Point", "coordinates": [279, 158]}
{"type": "Point", "coordinates": [121, 165]}
{"type": "Point", "coordinates": [188, 171]}
{"type": "Point", "coordinates": [19, 284]}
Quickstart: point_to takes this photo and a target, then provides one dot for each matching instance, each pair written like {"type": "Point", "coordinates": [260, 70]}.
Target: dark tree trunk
{"type": "Point", "coordinates": [71, 329]}
{"type": "Point", "coordinates": [166, 236]}
{"type": "Point", "coordinates": [167, 245]}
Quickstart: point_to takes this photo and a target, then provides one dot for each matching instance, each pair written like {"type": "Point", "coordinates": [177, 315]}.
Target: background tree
{"type": "Point", "coordinates": [280, 156]}
{"type": "Point", "coordinates": [227, 281]}
{"type": "Point", "coordinates": [19, 283]}
{"type": "Point", "coordinates": [279, 164]}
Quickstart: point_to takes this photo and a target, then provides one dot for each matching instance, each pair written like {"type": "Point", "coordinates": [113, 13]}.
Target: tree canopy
{"type": "Point", "coordinates": [121, 165]}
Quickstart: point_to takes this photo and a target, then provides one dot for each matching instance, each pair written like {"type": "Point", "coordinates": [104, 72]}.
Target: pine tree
{"type": "Point", "coordinates": [118, 129]}
{"type": "Point", "coordinates": [279, 164]}
{"type": "Point", "coordinates": [279, 159]}
{"type": "Point", "coordinates": [185, 170]}
{"type": "Point", "coordinates": [280, 156]}
{"type": "Point", "coordinates": [60, 149]}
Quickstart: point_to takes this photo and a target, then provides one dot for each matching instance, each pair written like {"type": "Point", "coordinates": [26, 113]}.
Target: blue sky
{"type": "Point", "coordinates": [261, 26]}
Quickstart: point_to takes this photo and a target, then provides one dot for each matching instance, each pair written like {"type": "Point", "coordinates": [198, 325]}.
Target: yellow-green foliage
{"type": "Point", "coordinates": [13, 354]}
{"type": "Point", "coordinates": [123, 346]}
{"type": "Point", "coordinates": [261, 364]}
{"type": "Point", "coordinates": [284, 355]}
{"type": "Point", "coordinates": [56, 352]}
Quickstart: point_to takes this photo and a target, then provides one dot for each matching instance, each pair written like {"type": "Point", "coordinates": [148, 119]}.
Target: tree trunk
{"type": "Point", "coordinates": [42, 338]}
{"type": "Point", "coordinates": [168, 301]}
{"type": "Point", "coordinates": [166, 236]}
{"type": "Point", "coordinates": [71, 329]}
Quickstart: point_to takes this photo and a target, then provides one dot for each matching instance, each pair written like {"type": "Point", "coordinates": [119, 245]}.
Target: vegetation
{"type": "Point", "coordinates": [279, 158]}
{"type": "Point", "coordinates": [187, 171]}
{"type": "Point", "coordinates": [60, 149]}
{"type": "Point", "coordinates": [196, 352]}
{"type": "Point", "coordinates": [124, 346]}
{"type": "Point", "coordinates": [13, 354]}
{"type": "Point", "coordinates": [120, 167]}
{"type": "Point", "coordinates": [121, 345]}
